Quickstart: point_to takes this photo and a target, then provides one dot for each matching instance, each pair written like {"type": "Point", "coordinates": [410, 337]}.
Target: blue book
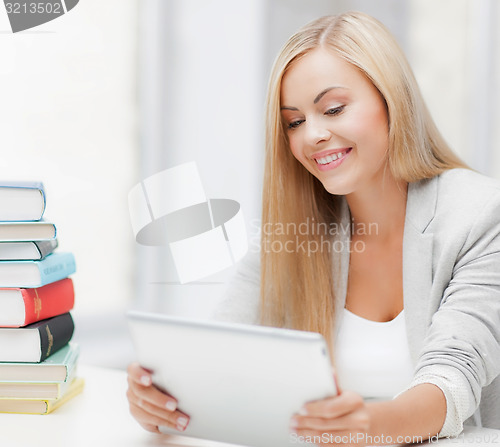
{"type": "Point", "coordinates": [21, 201]}
{"type": "Point", "coordinates": [28, 274]}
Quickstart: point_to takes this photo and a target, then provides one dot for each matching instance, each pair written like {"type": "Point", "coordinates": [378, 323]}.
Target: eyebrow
{"type": "Point", "coordinates": [318, 97]}
{"type": "Point", "coordinates": [325, 91]}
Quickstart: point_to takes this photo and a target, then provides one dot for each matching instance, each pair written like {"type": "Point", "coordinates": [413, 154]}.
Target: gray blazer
{"type": "Point", "coordinates": [451, 286]}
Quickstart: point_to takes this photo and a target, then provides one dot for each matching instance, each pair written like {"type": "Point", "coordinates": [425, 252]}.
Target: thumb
{"type": "Point", "coordinates": [336, 382]}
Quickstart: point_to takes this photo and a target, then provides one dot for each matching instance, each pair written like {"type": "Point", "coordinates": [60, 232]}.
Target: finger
{"type": "Point", "coordinates": [139, 374]}
{"type": "Point", "coordinates": [151, 428]}
{"type": "Point", "coordinates": [147, 419]}
{"type": "Point", "coordinates": [336, 381]}
{"type": "Point", "coordinates": [176, 419]}
{"type": "Point", "coordinates": [154, 401]}
{"type": "Point", "coordinates": [145, 414]}
{"type": "Point", "coordinates": [356, 421]}
{"type": "Point", "coordinates": [151, 394]}
{"type": "Point", "coordinates": [333, 407]}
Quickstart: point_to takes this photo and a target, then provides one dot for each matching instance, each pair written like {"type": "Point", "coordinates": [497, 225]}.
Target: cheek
{"type": "Point", "coordinates": [373, 129]}
{"type": "Point", "coordinates": [295, 148]}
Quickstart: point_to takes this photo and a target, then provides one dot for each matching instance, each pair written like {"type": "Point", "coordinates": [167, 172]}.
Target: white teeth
{"type": "Point", "coordinates": [330, 158]}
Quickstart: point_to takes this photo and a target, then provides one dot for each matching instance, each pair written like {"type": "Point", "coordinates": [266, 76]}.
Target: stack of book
{"type": "Point", "coordinates": [37, 360]}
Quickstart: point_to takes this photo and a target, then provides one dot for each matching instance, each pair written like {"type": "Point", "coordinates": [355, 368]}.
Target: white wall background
{"type": "Point", "coordinates": [454, 50]}
{"type": "Point", "coordinates": [68, 116]}
{"type": "Point", "coordinates": [117, 90]}
{"type": "Point", "coordinates": [205, 106]}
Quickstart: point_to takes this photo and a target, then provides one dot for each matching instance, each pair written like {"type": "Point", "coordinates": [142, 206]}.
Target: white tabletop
{"type": "Point", "coordinates": [100, 417]}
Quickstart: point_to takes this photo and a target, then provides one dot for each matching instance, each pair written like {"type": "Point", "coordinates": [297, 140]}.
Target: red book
{"type": "Point", "coordinates": [19, 307]}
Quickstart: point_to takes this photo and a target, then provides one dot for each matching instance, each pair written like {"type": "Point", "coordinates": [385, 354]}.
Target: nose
{"type": "Point", "coordinates": [316, 132]}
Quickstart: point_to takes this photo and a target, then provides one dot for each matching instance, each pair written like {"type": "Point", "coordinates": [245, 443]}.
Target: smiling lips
{"type": "Point", "coordinates": [327, 161]}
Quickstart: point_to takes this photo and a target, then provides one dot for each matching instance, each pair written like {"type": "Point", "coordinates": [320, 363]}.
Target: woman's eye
{"type": "Point", "coordinates": [295, 124]}
{"type": "Point", "coordinates": [335, 110]}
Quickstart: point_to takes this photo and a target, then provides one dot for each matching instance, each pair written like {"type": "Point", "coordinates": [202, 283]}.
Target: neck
{"type": "Point", "coordinates": [378, 210]}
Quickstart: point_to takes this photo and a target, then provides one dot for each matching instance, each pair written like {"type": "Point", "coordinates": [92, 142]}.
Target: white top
{"type": "Point", "coordinates": [372, 358]}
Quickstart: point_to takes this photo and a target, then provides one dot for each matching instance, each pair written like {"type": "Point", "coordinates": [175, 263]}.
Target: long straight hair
{"type": "Point", "coordinates": [298, 286]}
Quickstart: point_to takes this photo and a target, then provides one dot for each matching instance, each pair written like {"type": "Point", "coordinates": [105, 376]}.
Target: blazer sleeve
{"type": "Point", "coordinates": [240, 303]}
{"type": "Point", "coordinates": [461, 351]}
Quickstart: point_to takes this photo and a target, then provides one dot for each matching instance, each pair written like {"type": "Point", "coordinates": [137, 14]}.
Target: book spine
{"type": "Point", "coordinates": [55, 333]}
{"type": "Point", "coordinates": [47, 301]}
{"type": "Point", "coordinates": [55, 267]}
{"type": "Point", "coordinates": [44, 199]}
{"type": "Point", "coordinates": [75, 388]}
{"type": "Point", "coordinates": [71, 361]}
{"type": "Point", "coordinates": [45, 247]}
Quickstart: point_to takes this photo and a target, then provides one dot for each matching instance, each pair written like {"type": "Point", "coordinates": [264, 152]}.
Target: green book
{"type": "Point", "coordinates": [56, 368]}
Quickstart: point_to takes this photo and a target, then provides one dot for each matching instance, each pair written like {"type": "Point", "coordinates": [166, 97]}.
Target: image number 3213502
{"type": "Point", "coordinates": [26, 14]}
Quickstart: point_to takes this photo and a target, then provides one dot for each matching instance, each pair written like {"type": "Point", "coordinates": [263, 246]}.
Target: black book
{"type": "Point", "coordinates": [35, 342]}
{"type": "Point", "coordinates": [26, 250]}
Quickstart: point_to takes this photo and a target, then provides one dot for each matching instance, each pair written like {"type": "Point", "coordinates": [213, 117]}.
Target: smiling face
{"type": "Point", "coordinates": [336, 122]}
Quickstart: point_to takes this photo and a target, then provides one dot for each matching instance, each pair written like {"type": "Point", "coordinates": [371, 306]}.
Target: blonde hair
{"type": "Point", "coordinates": [298, 288]}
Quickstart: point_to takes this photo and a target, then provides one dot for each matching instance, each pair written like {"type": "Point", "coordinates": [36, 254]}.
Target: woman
{"type": "Point", "coordinates": [411, 306]}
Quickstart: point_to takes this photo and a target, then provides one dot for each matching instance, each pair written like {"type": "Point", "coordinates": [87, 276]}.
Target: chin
{"type": "Point", "coordinates": [336, 189]}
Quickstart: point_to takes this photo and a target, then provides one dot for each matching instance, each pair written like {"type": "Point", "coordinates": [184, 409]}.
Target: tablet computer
{"type": "Point", "coordinates": [238, 383]}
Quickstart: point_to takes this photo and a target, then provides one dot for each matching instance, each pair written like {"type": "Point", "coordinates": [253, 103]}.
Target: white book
{"type": "Point", "coordinates": [27, 231]}
{"type": "Point", "coordinates": [21, 201]}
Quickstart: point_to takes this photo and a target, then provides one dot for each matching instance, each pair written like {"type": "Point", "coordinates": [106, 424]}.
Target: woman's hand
{"type": "Point", "coordinates": [343, 419]}
{"type": "Point", "coordinates": [148, 405]}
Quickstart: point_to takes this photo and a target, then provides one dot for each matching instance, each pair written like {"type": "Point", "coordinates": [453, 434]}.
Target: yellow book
{"type": "Point", "coordinates": [26, 390]}
{"type": "Point", "coordinates": [41, 406]}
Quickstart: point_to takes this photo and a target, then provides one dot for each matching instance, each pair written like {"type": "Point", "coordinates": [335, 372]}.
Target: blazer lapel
{"type": "Point", "coordinates": [417, 260]}
{"type": "Point", "coordinates": [341, 270]}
